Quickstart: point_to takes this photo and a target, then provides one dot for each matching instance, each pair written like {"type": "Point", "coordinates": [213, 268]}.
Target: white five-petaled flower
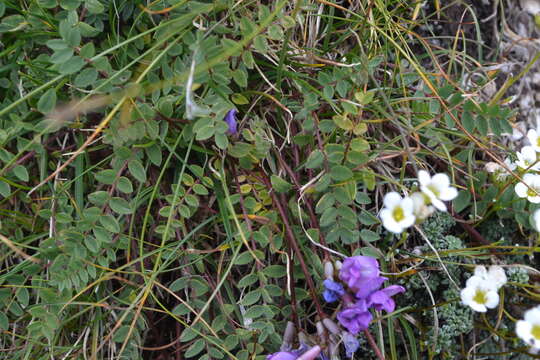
{"type": "Point", "coordinates": [397, 215]}
{"type": "Point", "coordinates": [437, 188]}
{"type": "Point", "coordinates": [526, 158]}
{"type": "Point", "coordinates": [529, 188]}
{"type": "Point", "coordinates": [495, 275]}
{"type": "Point", "coordinates": [533, 135]}
{"type": "Point", "coordinates": [528, 329]}
{"type": "Point", "coordinates": [479, 294]}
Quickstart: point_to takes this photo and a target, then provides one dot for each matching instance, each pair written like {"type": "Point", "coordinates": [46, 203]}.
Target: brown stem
{"type": "Point", "coordinates": [373, 345]}
{"type": "Point", "coordinates": [292, 243]}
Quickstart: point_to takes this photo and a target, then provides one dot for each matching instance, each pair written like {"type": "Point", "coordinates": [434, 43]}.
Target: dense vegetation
{"type": "Point", "coordinates": [179, 178]}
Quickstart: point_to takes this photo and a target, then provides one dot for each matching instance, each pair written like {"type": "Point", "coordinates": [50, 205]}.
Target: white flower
{"type": "Point", "coordinates": [529, 328]}
{"type": "Point", "coordinates": [534, 138]}
{"type": "Point", "coordinates": [526, 158]}
{"type": "Point", "coordinates": [397, 215]}
{"type": "Point", "coordinates": [494, 276]}
{"type": "Point", "coordinates": [499, 171]}
{"type": "Point", "coordinates": [479, 294]}
{"type": "Point", "coordinates": [536, 218]}
{"type": "Point", "coordinates": [437, 188]}
{"type": "Point", "coordinates": [420, 209]}
{"type": "Point", "coordinates": [529, 188]}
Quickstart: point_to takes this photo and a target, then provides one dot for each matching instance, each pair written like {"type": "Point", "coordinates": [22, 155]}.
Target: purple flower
{"type": "Point", "coordinates": [282, 355]}
{"type": "Point", "coordinates": [351, 344]}
{"type": "Point", "coordinates": [230, 119]}
{"type": "Point", "coordinates": [382, 299]}
{"type": "Point", "coordinates": [309, 354]}
{"type": "Point", "coordinates": [355, 318]}
{"type": "Point", "coordinates": [332, 290]}
{"type": "Point", "coordinates": [361, 274]}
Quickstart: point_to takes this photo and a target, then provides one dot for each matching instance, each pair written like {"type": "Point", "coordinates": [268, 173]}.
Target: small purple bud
{"type": "Point", "coordinates": [351, 344]}
{"type": "Point", "coordinates": [333, 291]}
{"type": "Point", "coordinates": [230, 119]}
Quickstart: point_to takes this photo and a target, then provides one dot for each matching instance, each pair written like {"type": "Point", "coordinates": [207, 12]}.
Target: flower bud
{"type": "Point", "coordinates": [331, 326]}
{"type": "Point", "coordinates": [328, 270]}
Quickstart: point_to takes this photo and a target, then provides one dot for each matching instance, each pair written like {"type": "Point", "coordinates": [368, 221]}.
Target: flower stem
{"type": "Point", "coordinates": [373, 345]}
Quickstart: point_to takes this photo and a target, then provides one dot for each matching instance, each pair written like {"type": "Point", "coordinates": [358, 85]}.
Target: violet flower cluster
{"type": "Point", "coordinates": [361, 293]}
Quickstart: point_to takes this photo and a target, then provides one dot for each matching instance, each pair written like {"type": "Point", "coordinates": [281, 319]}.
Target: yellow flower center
{"type": "Point", "coordinates": [480, 297]}
{"type": "Point", "coordinates": [434, 190]}
{"type": "Point", "coordinates": [536, 332]}
{"type": "Point", "coordinates": [398, 214]}
{"type": "Point", "coordinates": [531, 192]}
{"type": "Point", "coordinates": [538, 141]}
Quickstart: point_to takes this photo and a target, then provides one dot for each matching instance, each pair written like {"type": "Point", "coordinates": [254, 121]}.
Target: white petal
{"type": "Point", "coordinates": [497, 275]}
{"type": "Point", "coordinates": [531, 136]}
{"type": "Point", "coordinates": [393, 227]}
{"type": "Point", "coordinates": [467, 295]}
{"type": "Point", "coordinates": [536, 218]}
{"type": "Point", "coordinates": [533, 315]}
{"type": "Point", "coordinates": [480, 271]}
{"type": "Point", "coordinates": [441, 180]}
{"type": "Point", "coordinates": [474, 281]}
{"type": "Point", "coordinates": [492, 299]}
{"type": "Point", "coordinates": [478, 307]}
{"type": "Point", "coordinates": [407, 205]}
{"type": "Point", "coordinates": [408, 221]}
{"type": "Point", "coordinates": [391, 199]}
{"type": "Point", "coordinates": [423, 177]}
{"type": "Point", "coordinates": [523, 330]}
{"type": "Point", "coordinates": [534, 199]}
{"type": "Point", "coordinates": [528, 152]}
{"type": "Point", "coordinates": [438, 204]}
{"type": "Point", "coordinates": [529, 178]}
{"type": "Point", "coordinates": [521, 190]}
{"type": "Point", "coordinates": [449, 193]}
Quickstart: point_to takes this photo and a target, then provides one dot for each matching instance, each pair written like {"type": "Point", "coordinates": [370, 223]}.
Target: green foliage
{"type": "Point", "coordinates": [133, 218]}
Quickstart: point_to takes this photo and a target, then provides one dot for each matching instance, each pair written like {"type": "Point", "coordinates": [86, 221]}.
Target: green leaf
{"type": "Point", "coordinates": [110, 223]}
{"type": "Point", "coordinates": [461, 201]}
{"type": "Point", "coordinates": [72, 65]}
{"type": "Point", "coordinates": [195, 348]}
{"type": "Point", "coordinates": [124, 185]}
{"type": "Point", "coordinates": [467, 121]}
{"type": "Point", "coordinates": [279, 185]}
{"type": "Point", "coordinates": [239, 99]}
{"type": "Point", "coordinates": [343, 122]}
{"type": "Point", "coordinates": [106, 176]}
{"type": "Point", "coordinates": [47, 102]}
{"type": "Point", "coordinates": [70, 34]}
{"type": "Point", "coordinates": [94, 6]}
{"type": "Point", "coordinates": [61, 56]}
{"type": "Point", "coordinates": [57, 44]}
{"type": "Point", "coordinates": [275, 271]}
{"type": "Point", "coordinates": [86, 77]}
{"type": "Point", "coordinates": [251, 297]}
{"type": "Point", "coordinates": [137, 170]}
{"type": "Point", "coordinates": [200, 189]}
{"type": "Point", "coordinates": [120, 206]}
{"type": "Point", "coordinates": [98, 198]}
{"type": "Point", "coordinates": [5, 189]}
{"type": "Point", "coordinates": [341, 173]}
{"type": "Point", "coordinates": [4, 321]}
{"type": "Point", "coordinates": [20, 172]}
{"type": "Point", "coordinates": [369, 236]}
